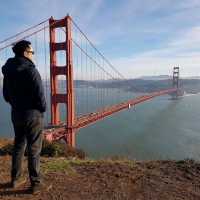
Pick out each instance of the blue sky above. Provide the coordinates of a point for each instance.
(140, 37)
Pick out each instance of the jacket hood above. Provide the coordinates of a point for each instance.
(16, 64)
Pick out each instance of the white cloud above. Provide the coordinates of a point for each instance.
(189, 40)
(186, 4)
(183, 51)
(148, 66)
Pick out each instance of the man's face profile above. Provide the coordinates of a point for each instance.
(28, 53)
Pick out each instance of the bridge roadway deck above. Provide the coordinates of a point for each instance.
(57, 132)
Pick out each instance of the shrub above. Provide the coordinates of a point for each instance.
(50, 149)
(60, 149)
(7, 149)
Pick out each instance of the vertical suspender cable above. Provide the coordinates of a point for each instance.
(87, 80)
(46, 76)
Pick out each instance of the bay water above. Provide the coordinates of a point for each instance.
(157, 129)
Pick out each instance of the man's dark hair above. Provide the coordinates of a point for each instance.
(20, 47)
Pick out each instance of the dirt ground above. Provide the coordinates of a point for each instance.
(108, 179)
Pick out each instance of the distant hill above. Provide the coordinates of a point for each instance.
(164, 77)
(144, 85)
(161, 77)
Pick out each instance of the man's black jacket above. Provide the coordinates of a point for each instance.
(22, 85)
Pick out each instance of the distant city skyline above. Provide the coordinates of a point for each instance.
(140, 38)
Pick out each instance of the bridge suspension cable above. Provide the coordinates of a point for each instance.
(91, 43)
(23, 34)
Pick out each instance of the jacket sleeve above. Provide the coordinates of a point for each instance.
(38, 90)
(5, 90)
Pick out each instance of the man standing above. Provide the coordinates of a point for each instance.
(22, 89)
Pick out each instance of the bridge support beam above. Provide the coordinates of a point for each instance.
(176, 80)
(67, 70)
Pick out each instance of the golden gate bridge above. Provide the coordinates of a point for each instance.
(70, 66)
